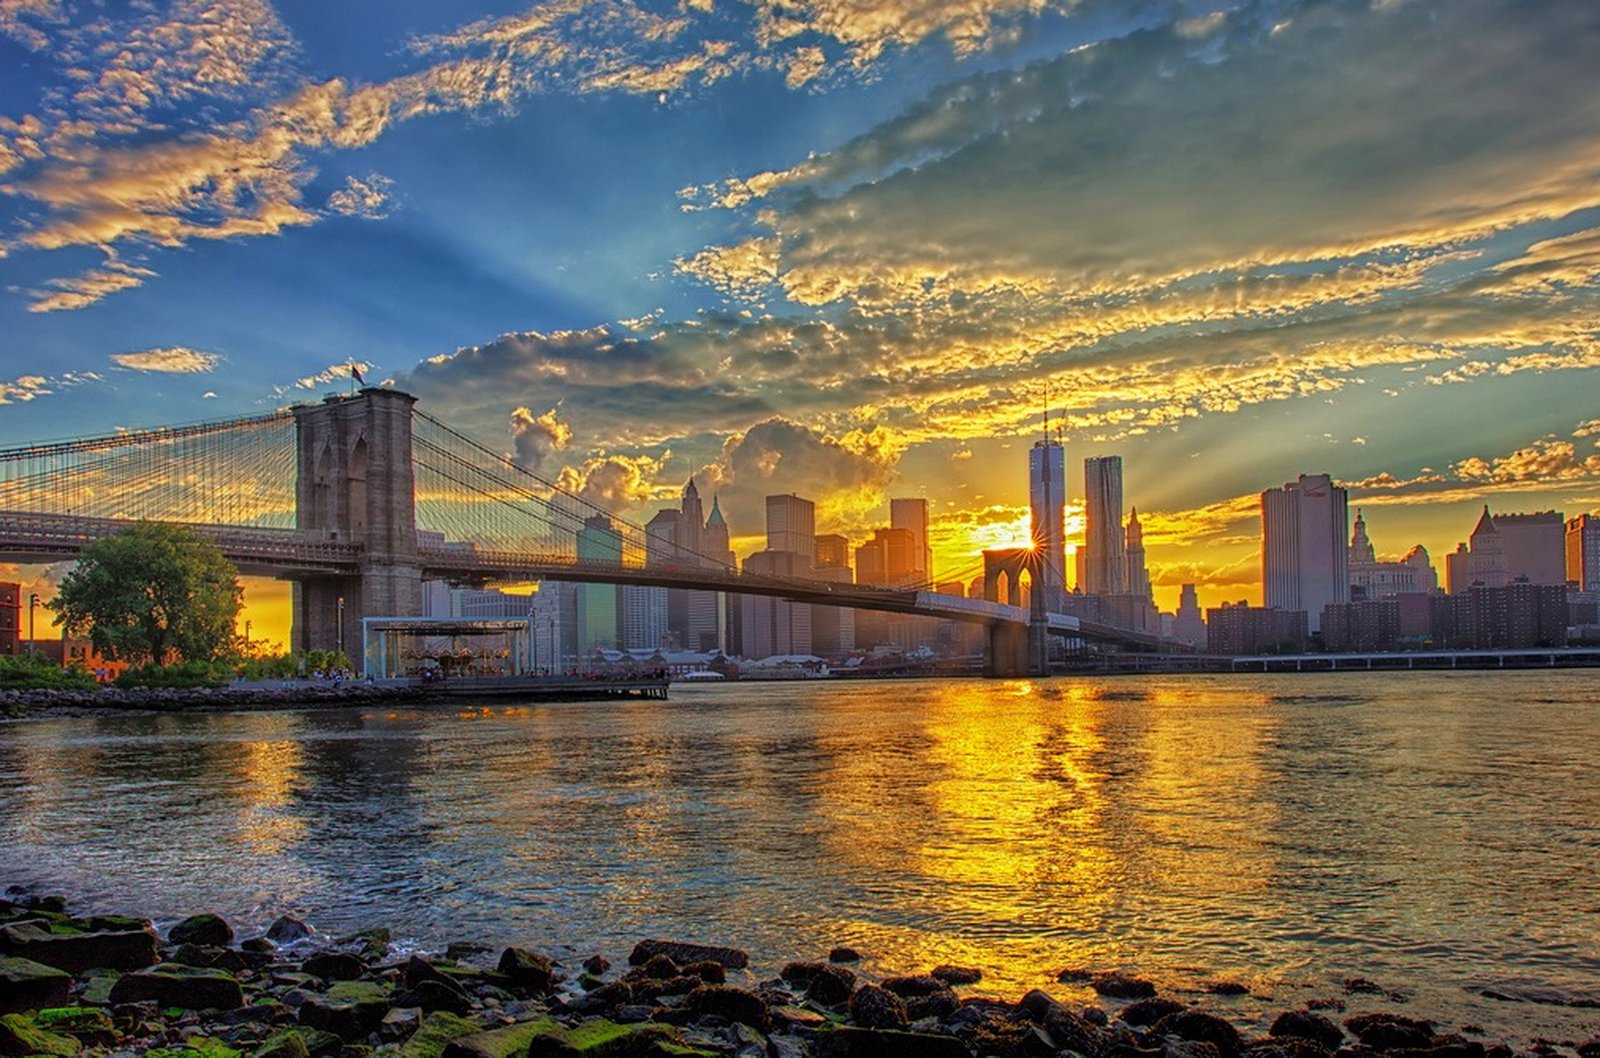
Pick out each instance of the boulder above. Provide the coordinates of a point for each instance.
(606, 1039)
(88, 1025)
(208, 930)
(734, 1004)
(712, 973)
(1122, 986)
(823, 982)
(171, 985)
(373, 943)
(334, 966)
(29, 985)
(21, 1036)
(842, 954)
(1589, 1048)
(596, 964)
(77, 952)
(350, 1010)
(509, 1042)
(1200, 1027)
(287, 930)
(435, 1032)
(430, 996)
(920, 985)
(1145, 1012)
(957, 975)
(940, 1004)
(1390, 1032)
(878, 1008)
(683, 953)
(527, 971)
(888, 1043)
(286, 1044)
(1304, 1025)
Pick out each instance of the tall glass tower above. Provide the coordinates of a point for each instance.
(1047, 508)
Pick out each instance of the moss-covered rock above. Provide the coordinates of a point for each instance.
(286, 1044)
(350, 1010)
(29, 985)
(88, 1025)
(527, 971)
(20, 1035)
(607, 1039)
(195, 1047)
(208, 929)
(435, 1032)
(77, 952)
(171, 985)
(509, 1042)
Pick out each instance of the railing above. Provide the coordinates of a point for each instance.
(67, 534)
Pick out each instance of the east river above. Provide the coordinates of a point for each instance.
(1435, 834)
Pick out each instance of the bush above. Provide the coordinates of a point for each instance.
(32, 671)
(182, 674)
(293, 666)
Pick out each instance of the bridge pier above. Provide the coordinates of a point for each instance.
(1009, 649)
(355, 482)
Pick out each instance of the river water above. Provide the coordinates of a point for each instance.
(1435, 833)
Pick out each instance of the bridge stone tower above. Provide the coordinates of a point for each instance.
(355, 483)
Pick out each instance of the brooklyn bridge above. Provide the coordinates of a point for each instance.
(360, 499)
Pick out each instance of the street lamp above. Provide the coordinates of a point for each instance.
(33, 604)
(341, 624)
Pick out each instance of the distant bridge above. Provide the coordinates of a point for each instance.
(357, 500)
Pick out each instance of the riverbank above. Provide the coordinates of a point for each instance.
(80, 987)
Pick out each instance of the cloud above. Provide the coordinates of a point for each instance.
(331, 373)
(616, 482)
(171, 361)
(848, 477)
(91, 286)
(536, 438)
(24, 388)
(20, 20)
(1543, 461)
(369, 198)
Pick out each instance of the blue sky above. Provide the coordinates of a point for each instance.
(839, 247)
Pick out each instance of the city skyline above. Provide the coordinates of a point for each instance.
(522, 239)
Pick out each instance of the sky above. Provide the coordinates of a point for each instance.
(844, 248)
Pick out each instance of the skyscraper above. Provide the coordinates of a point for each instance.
(1583, 551)
(1047, 515)
(598, 540)
(792, 526)
(1138, 574)
(912, 515)
(709, 612)
(1105, 565)
(1305, 561)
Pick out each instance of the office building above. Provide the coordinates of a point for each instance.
(1105, 569)
(1583, 552)
(1371, 579)
(774, 626)
(1244, 629)
(1138, 574)
(1506, 548)
(1305, 561)
(912, 516)
(598, 604)
(1188, 625)
(792, 526)
(10, 617)
(888, 560)
(1047, 513)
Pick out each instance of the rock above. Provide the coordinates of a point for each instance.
(596, 964)
(1075, 975)
(259, 946)
(432, 996)
(75, 953)
(657, 967)
(457, 950)
(844, 955)
(607, 1039)
(1145, 1012)
(511, 1041)
(171, 985)
(528, 972)
(682, 953)
(1180, 1048)
(1390, 1032)
(712, 973)
(920, 985)
(957, 975)
(887, 1043)
(1227, 988)
(1096, 1016)
(823, 982)
(878, 1008)
(321, 1044)
(286, 1044)
(208, 929)
(334, 966)
(435, 1032)
(350, 1010)
(21, 1036)
(940, 1004)
(87, 1025)
(1291, 1047)
(29, 985)
(373, 943)
(1305, 1025)
(1199, 1026)
(1589, 1048)
(725, 1001)
(1122, 986)
(287, 930)
(418, 969)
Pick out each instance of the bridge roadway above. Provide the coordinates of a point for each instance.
(290, 553)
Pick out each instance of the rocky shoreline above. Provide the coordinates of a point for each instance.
(111, 986)
(19, 704)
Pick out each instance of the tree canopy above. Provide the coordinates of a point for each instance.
(152, 593)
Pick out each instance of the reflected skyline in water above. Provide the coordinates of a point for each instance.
(1289, 832)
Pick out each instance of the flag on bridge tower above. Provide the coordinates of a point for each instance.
(355, 373)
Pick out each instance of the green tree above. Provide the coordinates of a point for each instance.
(152, 593)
